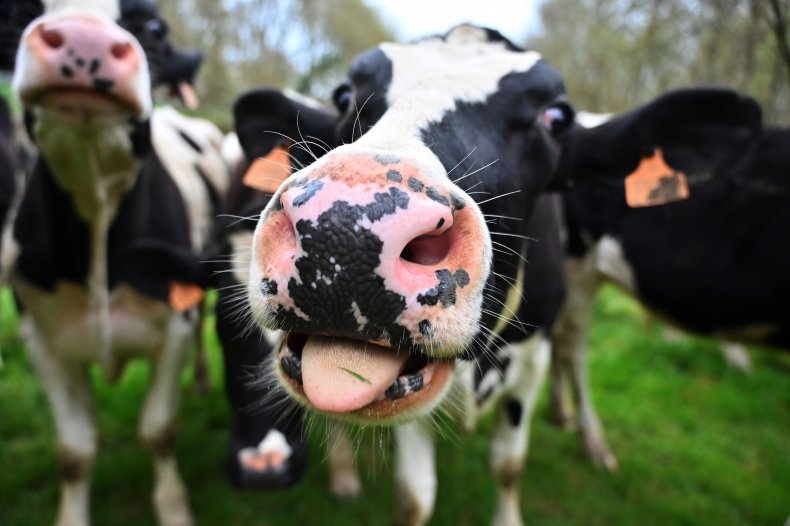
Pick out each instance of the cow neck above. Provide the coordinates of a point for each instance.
(94, 163)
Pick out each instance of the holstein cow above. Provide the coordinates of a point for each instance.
(390, 259)
(713, 264)
(108, 234)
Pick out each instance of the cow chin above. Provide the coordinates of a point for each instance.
(81, 105)
(421, 384)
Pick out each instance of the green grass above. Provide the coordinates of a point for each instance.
(698, 444)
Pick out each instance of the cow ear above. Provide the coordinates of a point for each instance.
(696, 129)
(266, 119)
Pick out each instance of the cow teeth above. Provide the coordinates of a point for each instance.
(292, 366)
(405, 385)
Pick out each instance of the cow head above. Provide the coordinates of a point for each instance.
(384, 261)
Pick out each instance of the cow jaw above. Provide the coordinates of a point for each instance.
(360, 381)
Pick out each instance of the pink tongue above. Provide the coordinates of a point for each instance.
(341, 375)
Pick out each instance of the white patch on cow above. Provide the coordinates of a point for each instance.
(108, 9)
(591, 120)
(180, 159)
(415, 471)
(231, 151)
(305, 100)
(358, 316)
(525, 377)
(431, 78)
(611, 262)
(241, 254)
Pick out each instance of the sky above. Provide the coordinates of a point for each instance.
(412, 19)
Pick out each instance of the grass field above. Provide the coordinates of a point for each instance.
(698, 444)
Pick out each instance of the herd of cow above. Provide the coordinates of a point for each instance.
(427, 245)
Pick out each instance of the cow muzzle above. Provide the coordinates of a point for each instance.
(375, 270)
(82, 67)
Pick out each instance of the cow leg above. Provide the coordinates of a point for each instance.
(68, 389)
(415, 473)
(202, 377)
(511, 435)
(158, 426)
(344, 480)
(570, 351)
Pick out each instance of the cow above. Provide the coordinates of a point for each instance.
(712, 264)
(109, 234)
(389, 262)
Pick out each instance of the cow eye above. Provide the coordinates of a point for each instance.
(558, 117)
(342, 97)
(157, 28)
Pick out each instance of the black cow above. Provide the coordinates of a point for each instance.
(109, 234)
(390, 260)
(713, 264)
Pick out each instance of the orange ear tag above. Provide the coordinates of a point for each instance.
(267, 173)
(184, 296)
(654, 182)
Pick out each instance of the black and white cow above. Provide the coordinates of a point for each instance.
(713, 264)
(390, 260)
(108, 233)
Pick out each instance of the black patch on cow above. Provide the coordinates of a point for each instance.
(458, 202)
(308, 191)
(440, 224)
(434, 195)
(190, 141)
(514, 411)
(103, 85)
(292, 366)
(338, 248)
(67, 72)
(415, 185)
(394, 175)
(426, 329)
(94, 67)
(385, 158)
(213, 194)
(461, 278)
(405, 385)
(268, 287)
(444, 291)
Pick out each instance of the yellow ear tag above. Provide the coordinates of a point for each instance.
(267, 173)
(654, 182)
(184, 296)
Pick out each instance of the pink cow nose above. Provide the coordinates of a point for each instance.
(85, 55)
(357, 247)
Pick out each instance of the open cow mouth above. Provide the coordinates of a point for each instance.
(358, 378)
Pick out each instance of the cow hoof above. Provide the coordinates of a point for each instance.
(346, 486)
(272, 464)
(603, 458)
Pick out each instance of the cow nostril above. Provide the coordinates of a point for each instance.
(426, 250)
(52, 37)
(120, 50)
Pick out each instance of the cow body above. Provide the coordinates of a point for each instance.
(712, 264)
(108, 234)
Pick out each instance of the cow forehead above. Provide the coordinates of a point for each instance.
(431, 77)
(107, 9)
